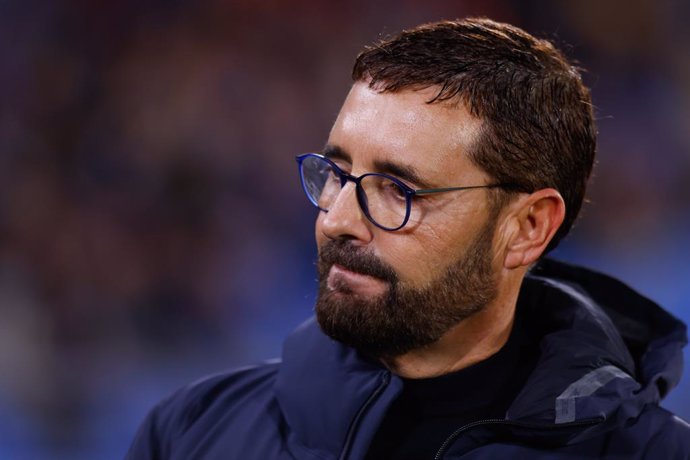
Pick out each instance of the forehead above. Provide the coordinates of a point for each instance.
(401, 127)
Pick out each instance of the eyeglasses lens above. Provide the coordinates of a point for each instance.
(382, 199)
(386, 200)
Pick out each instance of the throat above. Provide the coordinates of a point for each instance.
(430, 409)
(472, 341)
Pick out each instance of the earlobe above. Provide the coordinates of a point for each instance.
(535, 220)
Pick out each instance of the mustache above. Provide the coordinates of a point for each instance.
(350, 257)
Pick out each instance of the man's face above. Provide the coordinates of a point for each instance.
(386, 293)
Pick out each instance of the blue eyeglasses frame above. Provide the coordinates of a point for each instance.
(361, 194)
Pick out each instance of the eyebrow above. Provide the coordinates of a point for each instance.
(405, 172)
(335, 152)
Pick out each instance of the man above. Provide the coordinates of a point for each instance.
(459, 158)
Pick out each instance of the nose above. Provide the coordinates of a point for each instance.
(345, 219)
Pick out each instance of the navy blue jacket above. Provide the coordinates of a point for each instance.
(607, 356)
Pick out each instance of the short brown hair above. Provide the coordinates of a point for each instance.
(538, 125)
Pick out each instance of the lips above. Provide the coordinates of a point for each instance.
(343, 280)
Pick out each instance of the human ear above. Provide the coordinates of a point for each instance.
(535, 218)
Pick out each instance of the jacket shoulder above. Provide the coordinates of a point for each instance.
(199, 403)
(188, 403)
(655, 434)
(670, 437)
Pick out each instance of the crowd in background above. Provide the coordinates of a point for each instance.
(152, 225)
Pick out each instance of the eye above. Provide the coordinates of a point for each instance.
(329, 173)
(392, 190)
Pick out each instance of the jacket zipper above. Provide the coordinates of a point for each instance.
(499, 421)
(360, 414)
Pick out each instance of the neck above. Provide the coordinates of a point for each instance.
(469, 342)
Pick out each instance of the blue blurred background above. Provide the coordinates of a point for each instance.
(152, 226)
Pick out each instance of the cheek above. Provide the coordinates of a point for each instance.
(446, 238)
(319, 237)
(419, 259)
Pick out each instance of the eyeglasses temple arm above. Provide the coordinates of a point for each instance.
(429, 191)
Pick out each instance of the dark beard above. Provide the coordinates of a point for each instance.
(405, 318)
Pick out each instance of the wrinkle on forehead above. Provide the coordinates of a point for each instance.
(411, 123)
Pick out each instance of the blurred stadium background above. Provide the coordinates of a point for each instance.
(152, 226)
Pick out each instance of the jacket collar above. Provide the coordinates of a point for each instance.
(322, 387)
(606, 351)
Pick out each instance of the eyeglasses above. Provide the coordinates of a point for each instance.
(384, 199)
